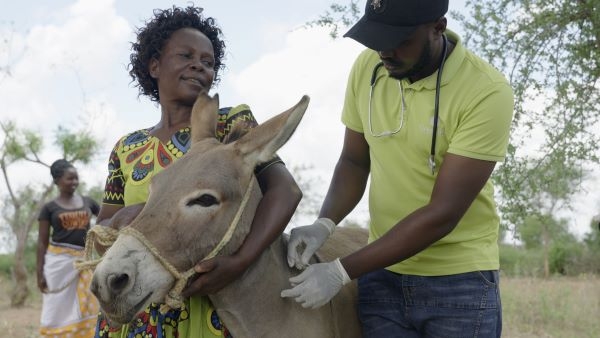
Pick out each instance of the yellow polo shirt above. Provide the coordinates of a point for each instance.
(476, 108)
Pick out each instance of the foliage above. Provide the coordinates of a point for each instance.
(592, 238)
(550, 53)
(566, 256)
(309, 206)
(95, 192)
(77, 146)
(20, 207)
(7, 261)
(336, 17)
(517, 261)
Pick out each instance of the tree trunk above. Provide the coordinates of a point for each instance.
(20, 291)
(546, 244)
(21, 228)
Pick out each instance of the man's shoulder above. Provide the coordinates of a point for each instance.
(363, 65)
(367, 58)
(476, 66)
(472, 68)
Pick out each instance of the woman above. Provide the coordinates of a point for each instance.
(178, 54)
(68, 307)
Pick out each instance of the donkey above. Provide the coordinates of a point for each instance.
(203, 205)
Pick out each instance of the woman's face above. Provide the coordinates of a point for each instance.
(185, 67)
(69, 181)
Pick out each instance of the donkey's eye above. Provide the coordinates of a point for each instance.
(205, 200)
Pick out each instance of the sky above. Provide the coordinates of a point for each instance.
(68, 59)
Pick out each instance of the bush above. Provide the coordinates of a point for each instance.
(8, 261)
(564, 256)
(6, 264)
(517, 261)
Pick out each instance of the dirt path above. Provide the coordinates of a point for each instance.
(22, 322)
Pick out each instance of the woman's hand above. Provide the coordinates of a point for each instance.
(42, 285)
(215, 274)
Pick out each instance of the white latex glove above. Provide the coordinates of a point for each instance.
(312, 236)
(316, 285)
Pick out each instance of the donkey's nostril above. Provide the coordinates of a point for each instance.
(117, 282)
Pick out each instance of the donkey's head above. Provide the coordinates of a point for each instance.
(207, 195)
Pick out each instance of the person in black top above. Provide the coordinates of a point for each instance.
(68, 307)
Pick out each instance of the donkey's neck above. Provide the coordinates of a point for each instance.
(252, 306)
(246, 302)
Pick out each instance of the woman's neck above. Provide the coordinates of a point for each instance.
(173, 118)
(66, 195)
(69, 200)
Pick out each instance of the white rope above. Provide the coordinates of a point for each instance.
(106, 236)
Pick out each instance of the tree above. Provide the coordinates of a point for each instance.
(592, 238)
(338, 16)
(309, 206)
(592, 247)
(550, 52)
(548, 193)
(21, 206)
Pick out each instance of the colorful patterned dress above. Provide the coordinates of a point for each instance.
(132, 163)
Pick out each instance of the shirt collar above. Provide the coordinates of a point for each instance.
(451, 66)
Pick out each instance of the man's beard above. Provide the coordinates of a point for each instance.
(424, 60)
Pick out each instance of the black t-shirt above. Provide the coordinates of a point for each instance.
(69, 225)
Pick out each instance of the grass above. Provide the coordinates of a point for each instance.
(558, 307)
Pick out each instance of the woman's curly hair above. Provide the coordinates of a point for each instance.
(152, 37)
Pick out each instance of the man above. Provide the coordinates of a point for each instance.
(428, 125)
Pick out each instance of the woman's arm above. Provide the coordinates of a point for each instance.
(43, 239)
(281, 196)
(107, 211)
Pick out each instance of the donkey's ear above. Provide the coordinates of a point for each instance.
(204, 117)
(261, 142)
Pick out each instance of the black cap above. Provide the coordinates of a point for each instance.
(387, 23)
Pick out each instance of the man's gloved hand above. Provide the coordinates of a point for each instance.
(318, 284)
(312, 236)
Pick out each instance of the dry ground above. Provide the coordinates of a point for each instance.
(22, 322)
(532, 308)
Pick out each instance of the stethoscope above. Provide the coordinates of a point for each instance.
(436, 113)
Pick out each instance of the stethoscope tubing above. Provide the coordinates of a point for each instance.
(436, 113)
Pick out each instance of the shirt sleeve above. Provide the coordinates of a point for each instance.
(44, 213)
(350, 112)
(240, 119)
(485, 127)
(94, 207)
(114, 188)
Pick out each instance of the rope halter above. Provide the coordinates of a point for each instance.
(106, 236)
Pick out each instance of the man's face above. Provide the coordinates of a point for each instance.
(411, 58)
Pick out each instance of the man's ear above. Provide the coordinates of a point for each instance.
(440, 25)
(153, 68)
